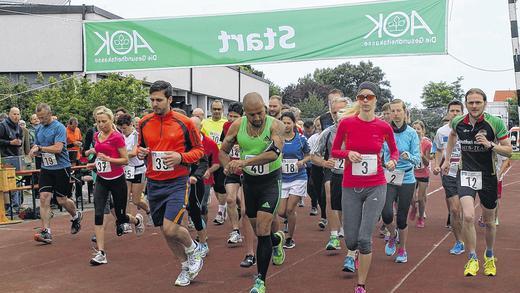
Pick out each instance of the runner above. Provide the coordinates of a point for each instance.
(111, 155)
(261, 140)
(50, 144)
(294, 176)
(449, 179)
(308, 132)
(170, 142)
(212, 127)
(275, 106)
(401, 182)
(364, 183)
(317, 179)
(135, 170)
(478, 133)
(422, 175)
(326, 119)
(333, 174)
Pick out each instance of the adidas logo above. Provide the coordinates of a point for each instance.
(266, 205)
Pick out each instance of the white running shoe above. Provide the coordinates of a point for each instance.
(139, 229)
(234, 238)
(127, 228)
(99, 258)
(195, 263)
(183, 279)
(202, 249)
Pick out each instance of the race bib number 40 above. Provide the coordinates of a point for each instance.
(49, 159)
(367, 166)
(289, 166)
(257, 169)
(395, 177)
(158, 163)
(472, 180)
(103, 166)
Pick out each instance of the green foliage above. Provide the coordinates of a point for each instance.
(439, 94)
(513, 111)
(311, 107)
(274, 89)
(432, 118)
(8, 97)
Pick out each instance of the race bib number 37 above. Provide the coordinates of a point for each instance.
(367, 166)
(158, 163)
(103, 166)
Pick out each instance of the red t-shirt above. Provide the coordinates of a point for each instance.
(211, 151)
(426, 146)
(110, 147)
(366, 138)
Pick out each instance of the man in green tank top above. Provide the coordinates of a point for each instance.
(260, 138)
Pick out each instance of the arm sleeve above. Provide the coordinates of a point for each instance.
(87, 144)
(197, 150)
(390, 140)
(319, 148)
(305, 144)
(501, 130)
(437, 141)
(3, 142)
(341, 134)
(415, 150)
(61, 135)
(214, 153)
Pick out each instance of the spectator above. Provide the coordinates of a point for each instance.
(2, 116)
(11, 134)
(26, 141)
(74, 139)
(35, 123)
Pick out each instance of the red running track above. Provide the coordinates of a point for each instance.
(146, 265)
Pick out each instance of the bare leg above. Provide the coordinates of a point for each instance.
(468, 228)
(365, 260)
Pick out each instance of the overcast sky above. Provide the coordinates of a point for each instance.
(478, 34)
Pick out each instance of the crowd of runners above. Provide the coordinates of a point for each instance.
(261, 161)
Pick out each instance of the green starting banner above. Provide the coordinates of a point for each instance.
(389, 28)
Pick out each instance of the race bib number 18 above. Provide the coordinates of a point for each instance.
(158, 163)
(289, 166)
(49, 160)
(367, 166)
(472, 180)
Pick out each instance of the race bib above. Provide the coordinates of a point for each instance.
(472, 179)
(158, 163)
(339, 164)
(129, 172)
(49, 160)
(257, 169)
(289, 166)
(367, 166)
(215, 137)
(395, 177)
(235, 152)
(454, 167)
(103, 166)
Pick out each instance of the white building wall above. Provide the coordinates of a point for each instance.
(249, 84)
(499, 109)
(221, 82)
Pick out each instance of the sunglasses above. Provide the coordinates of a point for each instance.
(363, 97)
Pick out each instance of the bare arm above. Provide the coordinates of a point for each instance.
(229, 141)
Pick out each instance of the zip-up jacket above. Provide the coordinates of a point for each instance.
(172, 132)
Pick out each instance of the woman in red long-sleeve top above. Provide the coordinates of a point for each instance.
(364, 183)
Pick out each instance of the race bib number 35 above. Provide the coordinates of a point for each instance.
(472, 180)
(103, 166)
(49, 160)
(158, 163)
(289, 166)
(367, 166)
(257, 169)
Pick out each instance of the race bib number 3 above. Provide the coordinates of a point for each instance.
(472, 180)
(395, 177)
(49, 160)
(257, 169)
(103, 166)
(289, 166)
(129, 172)
(158, 163)
(367, 166)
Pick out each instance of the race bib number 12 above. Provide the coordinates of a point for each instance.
(472, 180)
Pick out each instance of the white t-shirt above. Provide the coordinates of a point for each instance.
(131, 141)
(313, 142)
(441, 141)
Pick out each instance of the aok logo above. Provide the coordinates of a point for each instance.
(122, 43)
(397, 24)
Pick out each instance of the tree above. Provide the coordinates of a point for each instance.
(432, 118)
(439, 94)
(306, 86)
(13, 95)
(274, 89)
(311, 107)
(513, 111)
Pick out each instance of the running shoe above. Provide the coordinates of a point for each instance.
(313, 212)
(127, 228)
(384, 233)
(402, 256)
(139, 228)
(183, 279)
(289, 243)
(219, 219)
(203, 249)
(249, 261)
(149, 220)
(99, 258)
(390, 247)
(413, 212)
(323, 223)
(490, 269)
(349, 265)
(194, 263)
(76, 223)
(360, 289)
(120, 229)
(458, 248)
(333, 244)
(341, 233)
(43, 236)
(234, 238)
(259, 286)
(278, 252)
(420, 223)
(285, 225)
(471, 267)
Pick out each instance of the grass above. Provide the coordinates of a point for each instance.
(516, 156)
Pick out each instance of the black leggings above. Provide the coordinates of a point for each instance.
(403, 196)
(319, 189)
(116, 187)
(195, 204)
